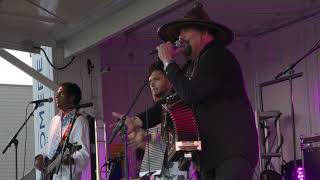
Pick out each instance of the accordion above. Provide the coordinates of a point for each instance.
(182, 136)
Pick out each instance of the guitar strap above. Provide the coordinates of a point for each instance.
(65, 134)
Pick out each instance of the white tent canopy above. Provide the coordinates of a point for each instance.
(76, 25)
(118, 33)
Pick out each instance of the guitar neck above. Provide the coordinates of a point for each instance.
(54, 164)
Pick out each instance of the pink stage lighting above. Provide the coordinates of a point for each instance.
(300, 173)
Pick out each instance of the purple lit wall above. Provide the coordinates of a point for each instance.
(128, 65)
(271, 54)
(128, 62)
(260, 58)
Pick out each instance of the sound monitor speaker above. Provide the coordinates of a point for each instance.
(270, 175)
(310, 147)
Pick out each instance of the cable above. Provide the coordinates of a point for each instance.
(61, 136)
(252, 166)
(25, 143)
(266, 138)
(274, 140)
(262, 125)
(58, 68)
(281, 143)
(148, 141)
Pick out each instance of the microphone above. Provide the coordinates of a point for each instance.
(105, 70)
(88, 116)
(113, 160)
(83, 105)
(74, 146)
(90, 66)
(49, 100)
(177, 44)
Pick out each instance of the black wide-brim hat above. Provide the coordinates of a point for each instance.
(196, 17)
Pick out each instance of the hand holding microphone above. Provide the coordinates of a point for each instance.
(167, 51)
(177, 44)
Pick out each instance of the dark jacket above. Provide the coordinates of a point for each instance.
(216, 92)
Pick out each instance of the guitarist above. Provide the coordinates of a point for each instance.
(67, 97)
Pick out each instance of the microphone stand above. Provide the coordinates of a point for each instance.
(276, 81)
(110, 165)
(15, 141)
(290, 70)
(120, 126)
(72, 149)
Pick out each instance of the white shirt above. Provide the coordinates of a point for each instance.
(79, 135)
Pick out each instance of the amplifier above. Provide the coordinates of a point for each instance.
(310, 147)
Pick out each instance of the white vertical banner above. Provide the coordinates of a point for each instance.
(45, 111)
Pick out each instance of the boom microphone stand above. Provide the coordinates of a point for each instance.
(121, 126)
(290, 70)
(15, 141)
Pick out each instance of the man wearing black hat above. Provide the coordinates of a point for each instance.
(213, 85)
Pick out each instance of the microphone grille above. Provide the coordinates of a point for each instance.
(50, 99)
(177, 44)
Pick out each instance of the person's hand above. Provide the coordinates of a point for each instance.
(138, 140)
(167, 52)
(131, 137)
(155, 135)
(39, 163)
(132, 123)
(66, 161)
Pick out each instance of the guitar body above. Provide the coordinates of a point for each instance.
(44, 174)
(51, 168)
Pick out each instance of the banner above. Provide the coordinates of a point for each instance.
(45, 111)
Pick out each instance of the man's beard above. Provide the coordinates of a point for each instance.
(161, 94)
(187, 49)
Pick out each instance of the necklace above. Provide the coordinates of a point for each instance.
(192, 69)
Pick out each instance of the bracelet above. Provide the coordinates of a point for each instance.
(165, 65)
